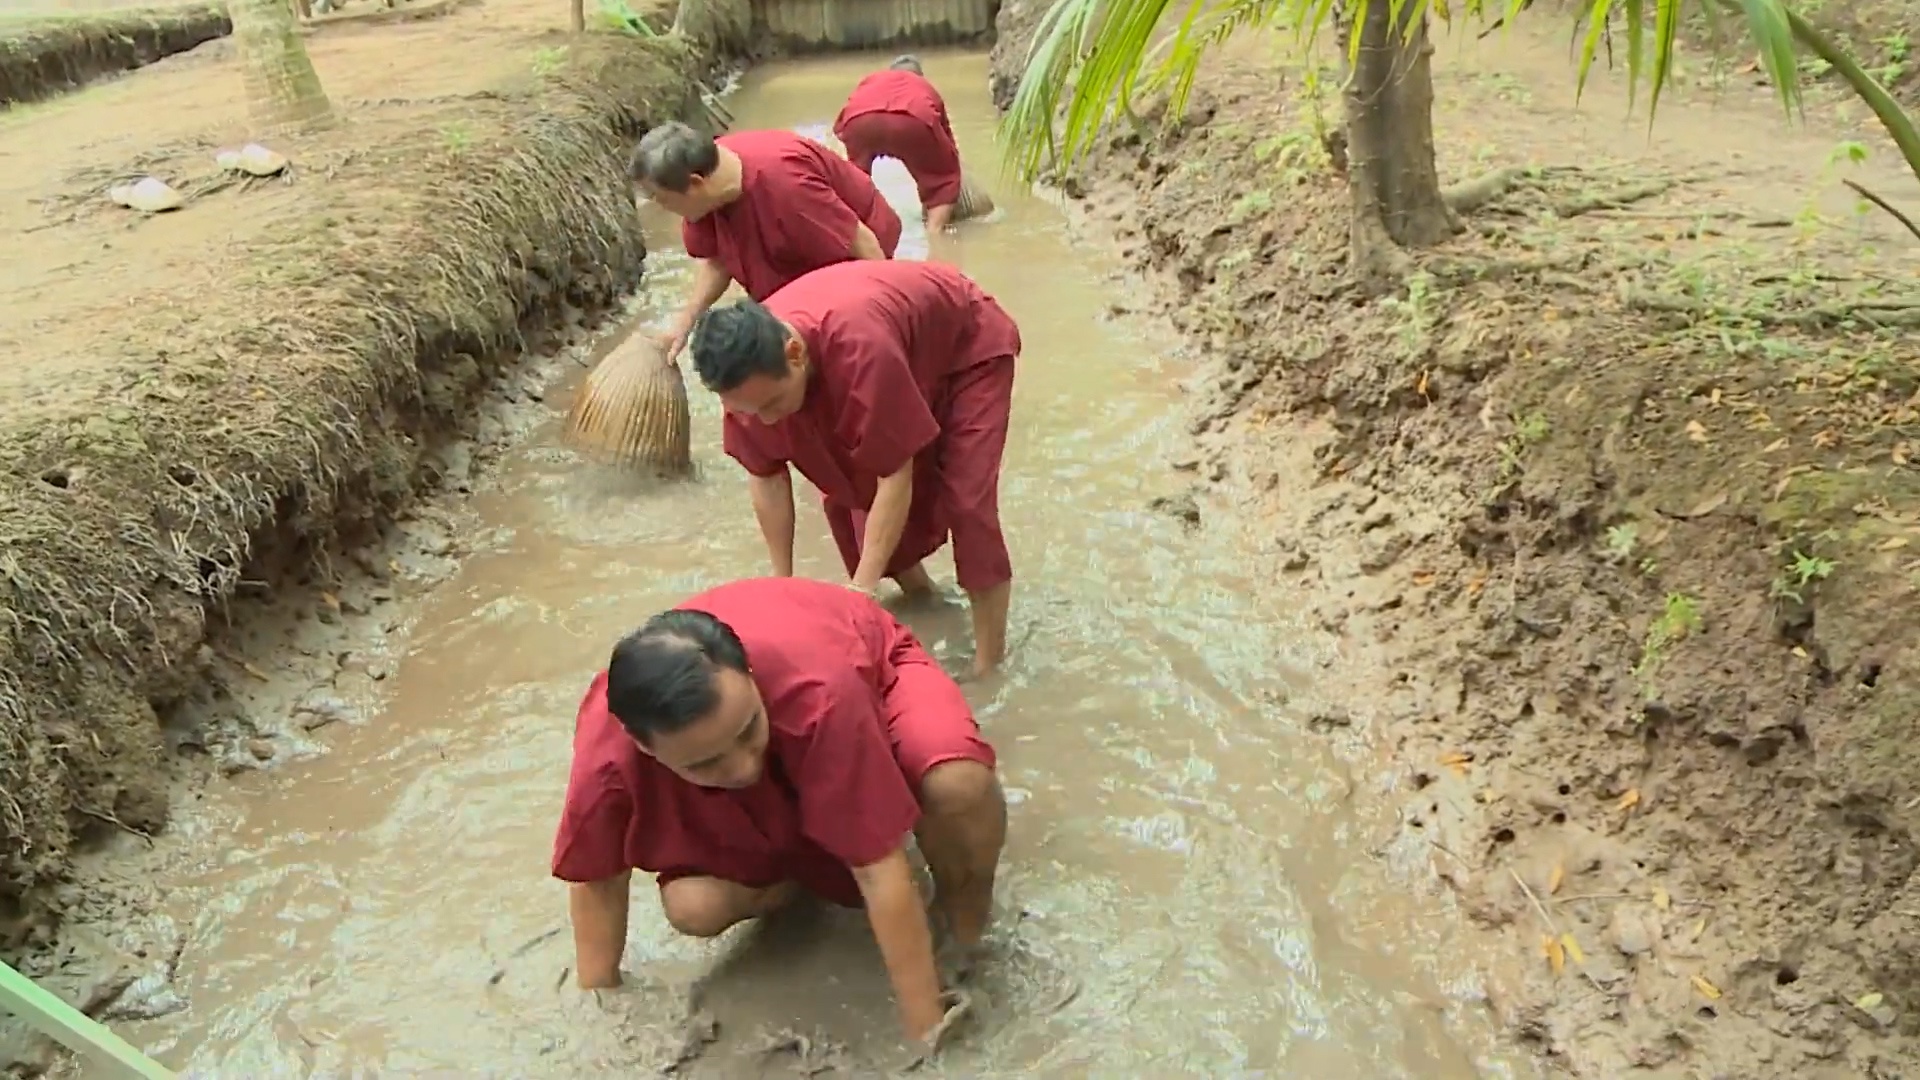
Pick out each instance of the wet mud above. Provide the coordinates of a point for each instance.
(1192, 883)
(1628, 597)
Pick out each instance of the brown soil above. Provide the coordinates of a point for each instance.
(1615, 507)
(45, 55)
(199, 406)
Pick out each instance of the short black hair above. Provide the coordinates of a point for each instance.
(661, 677)
(734, 343)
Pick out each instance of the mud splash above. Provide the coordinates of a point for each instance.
(1183, 892)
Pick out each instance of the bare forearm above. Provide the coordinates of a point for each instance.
(773, 509)
(710, 281)
(599, 913)
(886, 521)
(865, 244)
(906, 947)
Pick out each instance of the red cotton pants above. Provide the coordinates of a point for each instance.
(956, 486)
(930, 157)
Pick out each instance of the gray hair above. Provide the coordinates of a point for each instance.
(906, 62)
(672, 155)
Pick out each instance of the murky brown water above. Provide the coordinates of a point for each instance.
(1181, 850)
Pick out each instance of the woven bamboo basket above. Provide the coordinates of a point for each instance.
(632, 410)
(974, 201)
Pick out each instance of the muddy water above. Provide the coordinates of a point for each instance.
(1186, 891)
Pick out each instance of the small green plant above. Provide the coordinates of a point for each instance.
(1250, 205)
(548, 61)
(1679, 618)
(1621, 540)
(1528, 430)
(457, 136)
(1416, 307)
(1799, 574)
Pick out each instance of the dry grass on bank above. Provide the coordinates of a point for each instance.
(277, 392)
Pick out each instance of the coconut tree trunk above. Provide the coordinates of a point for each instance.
(577, 16)
(1397, 201)
(282, 87)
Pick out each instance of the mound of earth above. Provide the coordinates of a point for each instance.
(1616, 500)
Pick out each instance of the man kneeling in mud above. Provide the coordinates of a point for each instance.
(771, 736)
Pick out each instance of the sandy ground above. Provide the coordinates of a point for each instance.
(1625, 579)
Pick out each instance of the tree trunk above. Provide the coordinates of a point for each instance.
(1397, 201)
(282, 87)
(577, 16)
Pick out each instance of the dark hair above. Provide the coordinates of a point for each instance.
(660, 678)
(906, 62)
(734, 343)
(671, 155)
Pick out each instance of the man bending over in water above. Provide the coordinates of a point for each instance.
(890, 386)
(760, 208)
(898, 113)
(769, 736)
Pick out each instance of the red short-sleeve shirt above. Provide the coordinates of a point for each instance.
(832, 796)
(899, 92)
(883, 338)
(797, 211)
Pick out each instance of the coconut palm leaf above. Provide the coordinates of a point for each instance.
(1090, 58)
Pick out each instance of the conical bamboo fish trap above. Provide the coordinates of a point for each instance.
(974, 201)
(632, 409)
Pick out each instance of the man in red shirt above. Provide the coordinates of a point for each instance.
(888, 385)
(769, 736)
(761, 208)
(898, 113)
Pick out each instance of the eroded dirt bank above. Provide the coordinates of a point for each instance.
(1613, 507)
(44, 55)
(235, 402)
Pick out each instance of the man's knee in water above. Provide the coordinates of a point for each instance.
(961, 789)
(706, 907)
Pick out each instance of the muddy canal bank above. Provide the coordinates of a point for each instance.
(1181, 844)
(251, 410)
(1611, 512)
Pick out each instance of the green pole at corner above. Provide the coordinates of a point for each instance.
(74, 1029)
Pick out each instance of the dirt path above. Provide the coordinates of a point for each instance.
(1615, 505)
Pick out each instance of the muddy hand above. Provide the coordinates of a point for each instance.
(674, 339)
(959, 1005)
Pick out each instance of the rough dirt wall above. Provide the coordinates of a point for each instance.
(43, 56)
(1618, 515)
(289, 404)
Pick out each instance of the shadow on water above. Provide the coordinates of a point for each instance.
(1184, 891)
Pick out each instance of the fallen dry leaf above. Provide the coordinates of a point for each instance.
(1630, 800)
(1555, 879)
(1707, 989)
(1474, 586)
(1420, 384)
(1714, 398)
(254, 671)
(1574, 952)
(1825, 439)
(1455, 757)
(1899, 454)
(1661, 901)
(1698, 928)
(1775, 445)
(1869, 1002)
(1799, 652)
(393, 566)
(1555, 953)
(1893, 543)
(330, 600)
(1696, 431)
(1422, 578)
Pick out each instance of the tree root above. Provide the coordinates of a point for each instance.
(1470, 195)
(1878, 313)
(1617, 199)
